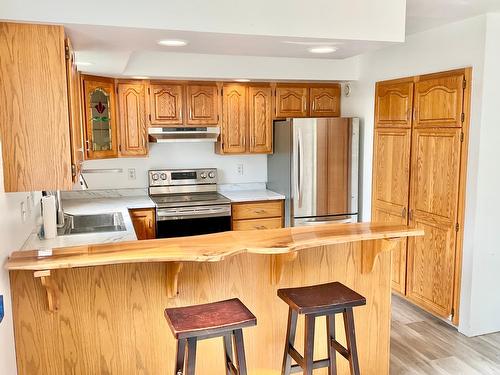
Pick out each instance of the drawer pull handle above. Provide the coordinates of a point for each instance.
(260, 227)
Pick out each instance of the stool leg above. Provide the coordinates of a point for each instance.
(332, 354)
(191, 356)
(239, 347)
(350, 334)
(228, 350)
(179, 357)
(290, 340)
(309, 345)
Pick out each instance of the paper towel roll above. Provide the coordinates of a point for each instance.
(49, 216)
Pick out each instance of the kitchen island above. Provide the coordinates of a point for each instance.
(98, 309)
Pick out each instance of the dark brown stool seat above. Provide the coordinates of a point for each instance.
(219, 319)
(320, 300)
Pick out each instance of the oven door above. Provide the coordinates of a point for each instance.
(191, 221)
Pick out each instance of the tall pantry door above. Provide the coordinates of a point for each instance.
(391, 165)
(434, 192)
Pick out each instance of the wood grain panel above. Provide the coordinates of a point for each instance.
(111, 317)
(291, 101)
(250, 224)
(144, 221)
(133, 127)
(166, 103)
(324, 101)
(234, 119)
(257, 210)
(438, 101)
(435, 180)
(260, 123)
(34, 120)
(394, 103)
(202, 104)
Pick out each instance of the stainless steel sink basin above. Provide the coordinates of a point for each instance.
(77, 224)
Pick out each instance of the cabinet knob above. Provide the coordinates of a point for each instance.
(403, 213)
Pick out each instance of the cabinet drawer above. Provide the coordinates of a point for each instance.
(260, 210)
(272, 223)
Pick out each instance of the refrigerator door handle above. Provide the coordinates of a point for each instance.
(300, 157)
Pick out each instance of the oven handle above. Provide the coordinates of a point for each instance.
(163, 214)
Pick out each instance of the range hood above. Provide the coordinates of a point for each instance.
(185, 134)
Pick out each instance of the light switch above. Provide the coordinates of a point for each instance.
(131, 173)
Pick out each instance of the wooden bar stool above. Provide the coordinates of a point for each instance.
(219, 319)
(313, 301)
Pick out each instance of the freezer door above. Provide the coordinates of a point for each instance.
(325, 167)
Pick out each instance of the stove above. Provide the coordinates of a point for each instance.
(187, 202)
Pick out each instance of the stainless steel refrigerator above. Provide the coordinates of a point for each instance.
(315, 165)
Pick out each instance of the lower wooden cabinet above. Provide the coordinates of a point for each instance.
(144, 221)
(258, 215)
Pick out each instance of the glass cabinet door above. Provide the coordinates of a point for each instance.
(100, 136)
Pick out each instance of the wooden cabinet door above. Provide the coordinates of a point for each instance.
(75, 112)
(260, 120)
(133, 129)
(166, 104)
(325, 101)
(439, 101)
(435, 178)
(234, 119)
(101, 136)
(144, 223)
(394, 104)
(202, 104)
(292, 102)
(391, 185)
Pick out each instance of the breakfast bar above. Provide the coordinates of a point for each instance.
(98, 309)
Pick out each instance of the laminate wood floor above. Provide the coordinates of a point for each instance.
(422, 344)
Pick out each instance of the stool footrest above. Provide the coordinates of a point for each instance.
(321, 363)
(340, 349)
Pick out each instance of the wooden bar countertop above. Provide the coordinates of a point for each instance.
(206, 248)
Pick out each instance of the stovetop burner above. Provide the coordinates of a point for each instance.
(190, 199)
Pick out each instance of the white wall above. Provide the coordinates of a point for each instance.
(13, 233)
(473, 42)
(177, 155)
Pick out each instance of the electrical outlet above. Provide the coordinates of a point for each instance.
(239, 169)
(2, 310)
(23, 211)
(131, 173)
(28, 205)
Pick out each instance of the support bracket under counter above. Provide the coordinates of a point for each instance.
(278, 263)
(371, 249)
(173, 271)
(51, 289)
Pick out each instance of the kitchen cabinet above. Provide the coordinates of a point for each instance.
(75, 113)
(166, 103)
(101, 136)
(132, 118)
(419, 172)
(202, 104)
(234, 119)
(35, 112)
(260, 117)
(324, 101)
(291, 101)
(144, 221)
(257, 215)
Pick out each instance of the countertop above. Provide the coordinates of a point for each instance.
(251, 195)
(210, 247)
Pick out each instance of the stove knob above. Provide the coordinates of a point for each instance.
(203, 175)
(163, 176)
(154, 176)
(211, 174)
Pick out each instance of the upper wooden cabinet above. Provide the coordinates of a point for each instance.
(324, 101)
(132, 118)
(292, 101)
(234, 119)
(202, 102)
(394, 103)
(101, 138)
(34, 114)
(260, 116)
(439, 101)
(166, 104)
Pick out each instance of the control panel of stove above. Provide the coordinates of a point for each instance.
(173, 177)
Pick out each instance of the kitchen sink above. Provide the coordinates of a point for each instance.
(78, 224)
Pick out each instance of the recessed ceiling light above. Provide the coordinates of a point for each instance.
(140, 77)
(173, 43)
(323, 49)
(242, 80)
(84, 63)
